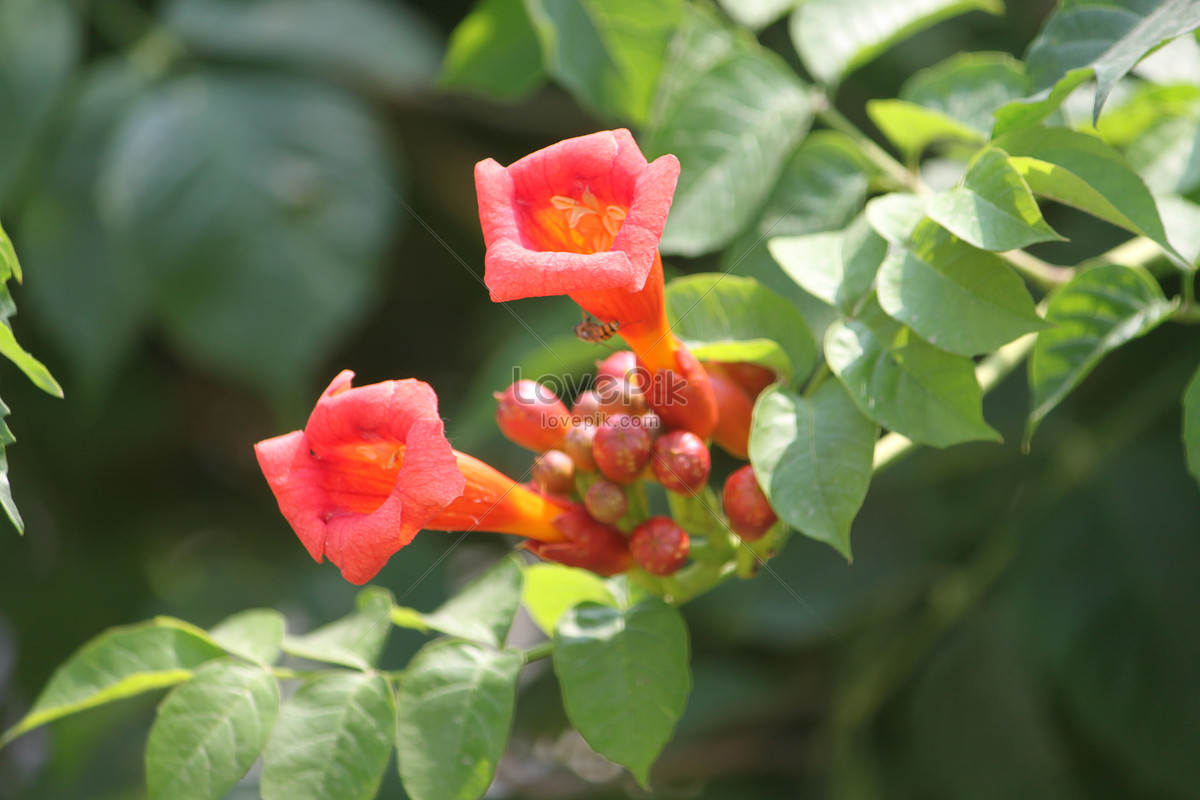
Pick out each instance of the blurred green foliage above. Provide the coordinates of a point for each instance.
(219, 204)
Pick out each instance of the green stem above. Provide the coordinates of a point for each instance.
(818, 377)
(538, 652)
(888, 165)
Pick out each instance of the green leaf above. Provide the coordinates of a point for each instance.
(455, 709)
(968, 87)
(992, 208)
(624, 677)
(895, 216)
(551, 589)
(332, 739)
(1181, 219)
(90, 302)
(209, 731)
(255, 634)
(732, 112)
(728, 318)
(1030, 110)
(260, 233)
(39, 47)
(957, 297)
(835, 37)
(757, 14)
(6, 498)
(607, 53)
(1107, 37)
(355, 640)
(483, 610)
(906, 384)
(1164, 156)
(1081, 171)
(1096, 312)
(1144, 109)
(10, 267)
(912, 128)
(35, 370)
(1191, 425)
(385, 47)
(495, 50)
(119, 663)
(813, 458)
(838, 267)
(823, 186)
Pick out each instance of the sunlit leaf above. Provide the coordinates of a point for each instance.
(455, 709)
(494, 50)
(550, 589)
(835, 37)
(1181, 220)
(624, 677)
(255, 634)
(209, 731)
(1099, 310)
(732, 112)
(355, 640)
(757, 14)
(992, 208)
(813, 456)
(895, 216)
(906, 384)
(607, 53)
(1106, 37)
(331, 739)
(730, 318)
(483, 610)
(1084, 172)
(837, 267)
(955, 296)
(119, 663)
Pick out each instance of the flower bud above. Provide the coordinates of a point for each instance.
(616, 367)
(683, 397)
(529, 414)
(735, 408)
(554, 472)
(622, 448)
(659, 546)
(589, 544)
(578, 445)
(606, 501)
(681, 462)
(620, 397)
(749, 513)
(752, 378)
(587, 408)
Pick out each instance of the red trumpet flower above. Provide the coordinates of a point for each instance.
(373, 467)
(584, 218)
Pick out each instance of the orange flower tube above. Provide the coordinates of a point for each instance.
(373, 467)
(584, 218)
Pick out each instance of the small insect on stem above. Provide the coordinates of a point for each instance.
(594, 331)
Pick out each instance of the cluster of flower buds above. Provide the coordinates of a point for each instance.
(610, 441)
(583, 218)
